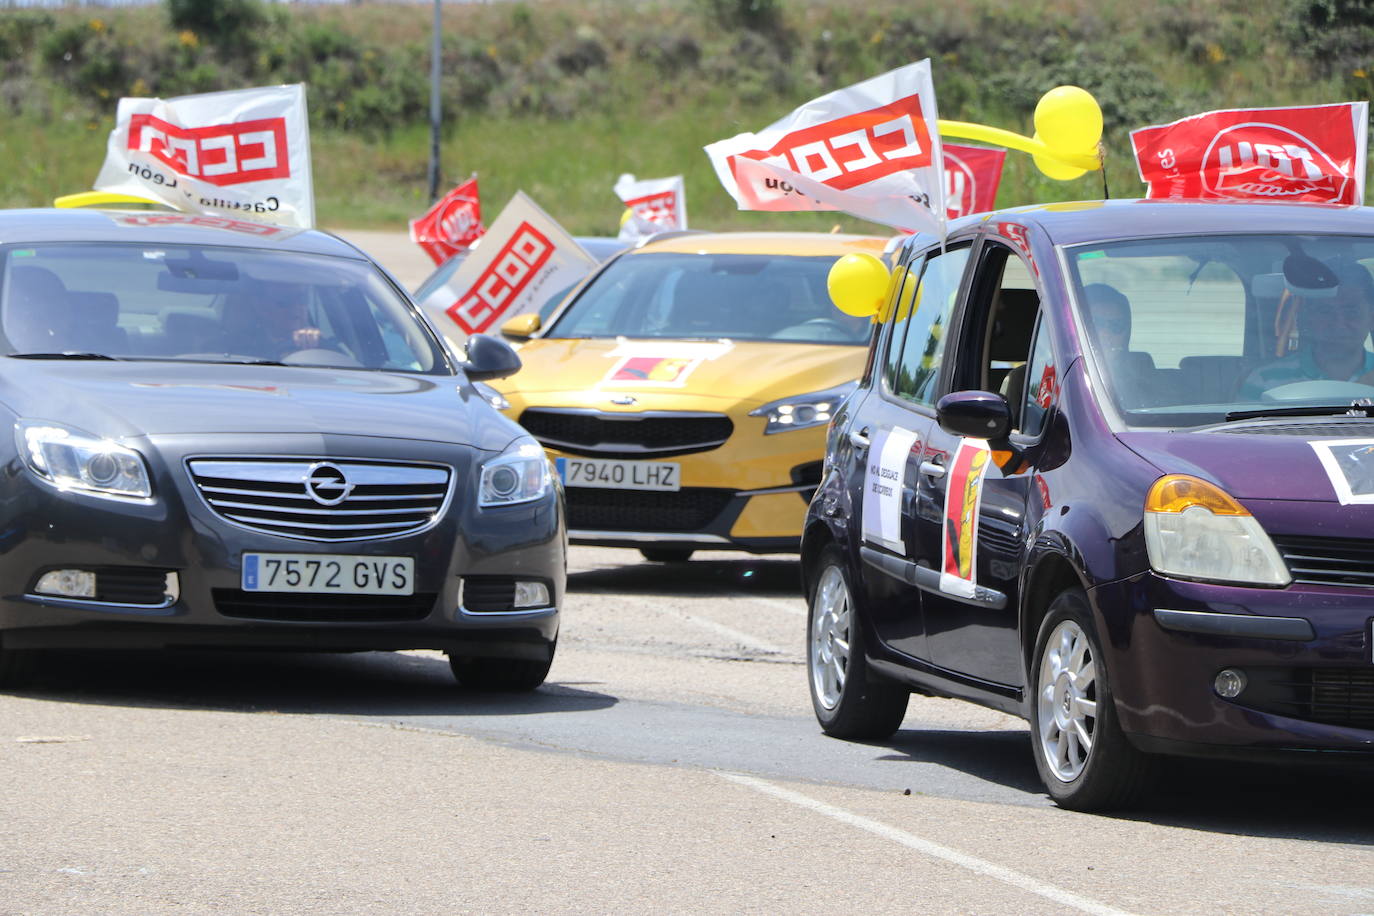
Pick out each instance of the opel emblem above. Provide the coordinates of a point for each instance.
(326, 484)
(624, 400)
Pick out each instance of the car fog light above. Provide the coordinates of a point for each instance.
(531, 594)
(1229, 683)
(69, 583)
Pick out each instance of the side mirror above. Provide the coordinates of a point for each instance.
(975, 414)
(521, 327)
(488, 358)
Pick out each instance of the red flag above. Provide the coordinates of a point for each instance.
(1314, 154)
(972, 174)
(451, 225)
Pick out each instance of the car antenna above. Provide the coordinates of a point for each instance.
(1102, 157)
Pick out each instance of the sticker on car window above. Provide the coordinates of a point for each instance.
(1350, 465)
(884, 478)
(963, 495)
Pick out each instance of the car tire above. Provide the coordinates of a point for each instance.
(667, 554)
(1073, 700)
(850, 700)
(499, 675)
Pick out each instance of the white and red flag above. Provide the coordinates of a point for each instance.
(1313, 153)
(871, 149)
(243, 153)
(655, 205)
(525, 257)
(972, 174)
(452, 224)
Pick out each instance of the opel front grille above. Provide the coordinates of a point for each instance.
(323, 500)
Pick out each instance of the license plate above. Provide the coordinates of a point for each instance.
(328, 574)
(609, 474)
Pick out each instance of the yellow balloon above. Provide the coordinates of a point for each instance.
(1068, 118)
(1059, 171)
(858, 284)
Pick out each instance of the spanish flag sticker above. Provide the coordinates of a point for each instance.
(963, 494)
(668, 371)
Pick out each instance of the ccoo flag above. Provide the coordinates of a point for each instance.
(243, 153)
(871, 149)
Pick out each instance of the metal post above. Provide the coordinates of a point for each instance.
(434, 112)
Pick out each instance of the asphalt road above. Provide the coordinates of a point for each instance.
(671, 764)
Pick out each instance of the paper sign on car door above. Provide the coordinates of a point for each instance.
(883, 479)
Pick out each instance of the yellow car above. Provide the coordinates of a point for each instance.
(684, 390)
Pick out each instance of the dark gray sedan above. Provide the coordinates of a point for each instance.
(233, 434)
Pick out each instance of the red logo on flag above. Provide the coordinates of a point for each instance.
(972, 174)
(505, 278)
(223, 154)
(213, 222)
(857, 148)
(658, 208)
(1312, 154)
(452, 224)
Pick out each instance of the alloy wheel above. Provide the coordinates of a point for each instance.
(1066, 694)
(830, 623)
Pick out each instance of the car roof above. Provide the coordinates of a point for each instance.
(157, 227)
(1094, 221)
(785, 243)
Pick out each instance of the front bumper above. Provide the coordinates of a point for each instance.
(1305, 652)
(177, 532)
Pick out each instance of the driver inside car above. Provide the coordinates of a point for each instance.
(272, 323)
(1331, 333)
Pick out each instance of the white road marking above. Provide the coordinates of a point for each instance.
(926, 847)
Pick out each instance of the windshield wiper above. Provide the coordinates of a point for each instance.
(68, 354)
(1360, 408)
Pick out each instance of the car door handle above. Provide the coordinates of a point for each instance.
(859, 439)
(933, 468)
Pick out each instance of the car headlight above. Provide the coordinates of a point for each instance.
(73, 460)
(803, 411)
(1195, 530)
(518, 475)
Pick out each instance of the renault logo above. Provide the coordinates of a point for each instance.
(327, 485)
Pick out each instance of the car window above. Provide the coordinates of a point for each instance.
(738, 296)
(924, 339)
(1187, 330)
(904, 283)
(208, 304)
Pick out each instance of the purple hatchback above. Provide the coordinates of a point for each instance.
(1111, 468)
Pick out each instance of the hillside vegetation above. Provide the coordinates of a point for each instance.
(558, 97)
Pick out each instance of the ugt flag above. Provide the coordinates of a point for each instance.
(452, 224)
(655, 205)
(1314, 153)
(972, 174)
(243, 153)
(871, 149)
(525, 257)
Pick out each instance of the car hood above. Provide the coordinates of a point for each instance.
(121, 399)
(673, 373)
(1257, 464)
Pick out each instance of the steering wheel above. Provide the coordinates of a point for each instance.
(1319, 389)
(321, 356)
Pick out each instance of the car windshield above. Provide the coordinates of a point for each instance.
(209, 304)
(737, 296)
(1204, 329)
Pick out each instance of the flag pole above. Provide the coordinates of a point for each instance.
(434, 112)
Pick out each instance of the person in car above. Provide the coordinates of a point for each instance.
(1331, 334)
(1109, 311)
(271, 323)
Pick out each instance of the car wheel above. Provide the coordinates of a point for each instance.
(850, 700)
(506, 675)
(667, 554)
(1084, 759)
